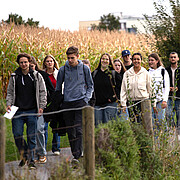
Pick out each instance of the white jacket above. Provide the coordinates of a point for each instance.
(157, 78)
(136, 86)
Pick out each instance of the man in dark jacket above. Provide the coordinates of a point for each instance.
(27, 91)
(174, 93)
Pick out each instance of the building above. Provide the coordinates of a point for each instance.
(128, 23)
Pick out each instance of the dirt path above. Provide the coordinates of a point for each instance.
(13, 171)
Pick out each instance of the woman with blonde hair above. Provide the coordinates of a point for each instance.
(50, 66)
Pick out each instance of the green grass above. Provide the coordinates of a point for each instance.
(11, 149)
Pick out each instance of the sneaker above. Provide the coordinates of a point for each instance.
(75, 163)
(42, 159)
(57, 153)
(23, 162)
(32, 166)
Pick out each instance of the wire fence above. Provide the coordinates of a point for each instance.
(15, 153)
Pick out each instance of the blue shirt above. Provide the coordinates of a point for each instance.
(78, 83)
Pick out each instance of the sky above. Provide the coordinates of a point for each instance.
(66, 14)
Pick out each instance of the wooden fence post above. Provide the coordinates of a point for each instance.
(147, 116)
(2, 148)
(88, 141)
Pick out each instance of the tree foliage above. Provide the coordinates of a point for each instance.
(18, 20)
(107, 22)
(165, 26)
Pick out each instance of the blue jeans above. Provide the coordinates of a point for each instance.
(55, 140)
(171, 113)
(122, 115)
(26, 149)
(40, 137)
(106, 114)
(158, 119)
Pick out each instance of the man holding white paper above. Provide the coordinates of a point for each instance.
(27, 91)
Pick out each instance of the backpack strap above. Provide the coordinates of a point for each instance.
(94, 73)
(162, 73)
(114, 76)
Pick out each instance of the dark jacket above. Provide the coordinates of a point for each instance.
(49, 86)
(177, 80)
(40, 89)
(103, 88)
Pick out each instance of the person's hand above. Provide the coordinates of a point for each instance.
(173, 89)
(8, 108)
(109, 100)
(124, 109)
(40, 112)
(155, 110)
(164, 104)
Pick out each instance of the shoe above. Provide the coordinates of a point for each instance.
(23, 162)
(42, 159)
(32, 166)
(75, 163)
(57, 153)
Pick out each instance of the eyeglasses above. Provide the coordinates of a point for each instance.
(70, 57)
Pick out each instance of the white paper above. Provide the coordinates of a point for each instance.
(11, 113)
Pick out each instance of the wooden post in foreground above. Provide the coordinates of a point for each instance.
(2, 148)
(88, 141)
(147, 116)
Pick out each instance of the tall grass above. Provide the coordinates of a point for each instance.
(42, 41)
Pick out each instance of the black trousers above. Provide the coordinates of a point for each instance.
(135, 111)
(73, 123)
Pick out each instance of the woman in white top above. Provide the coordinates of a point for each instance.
(161, 85)
(136, 90)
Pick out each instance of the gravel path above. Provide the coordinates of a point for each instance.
(13, 171)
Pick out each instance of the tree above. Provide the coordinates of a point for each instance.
(107, 22)
(15, 18)
(30, 22)
(18, 20)
(165, 26)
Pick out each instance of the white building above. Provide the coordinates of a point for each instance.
(128, 23)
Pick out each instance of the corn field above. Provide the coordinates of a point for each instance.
(42, 41)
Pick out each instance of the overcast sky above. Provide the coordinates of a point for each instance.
(66, 14)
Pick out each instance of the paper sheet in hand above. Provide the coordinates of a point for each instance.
(11, 113)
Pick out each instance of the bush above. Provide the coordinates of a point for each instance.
(125, 151)
(117, 153)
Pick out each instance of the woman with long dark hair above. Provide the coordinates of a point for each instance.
(136, 92)
(161, 84)
(50, 66)
(105, 80)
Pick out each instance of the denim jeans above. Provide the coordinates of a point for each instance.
(158, 119)
(40, 137)
(122, 115)
(26, 149)
(107, 113)
(171, 113)
(55, 140)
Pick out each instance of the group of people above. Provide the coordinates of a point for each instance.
(110, 88)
